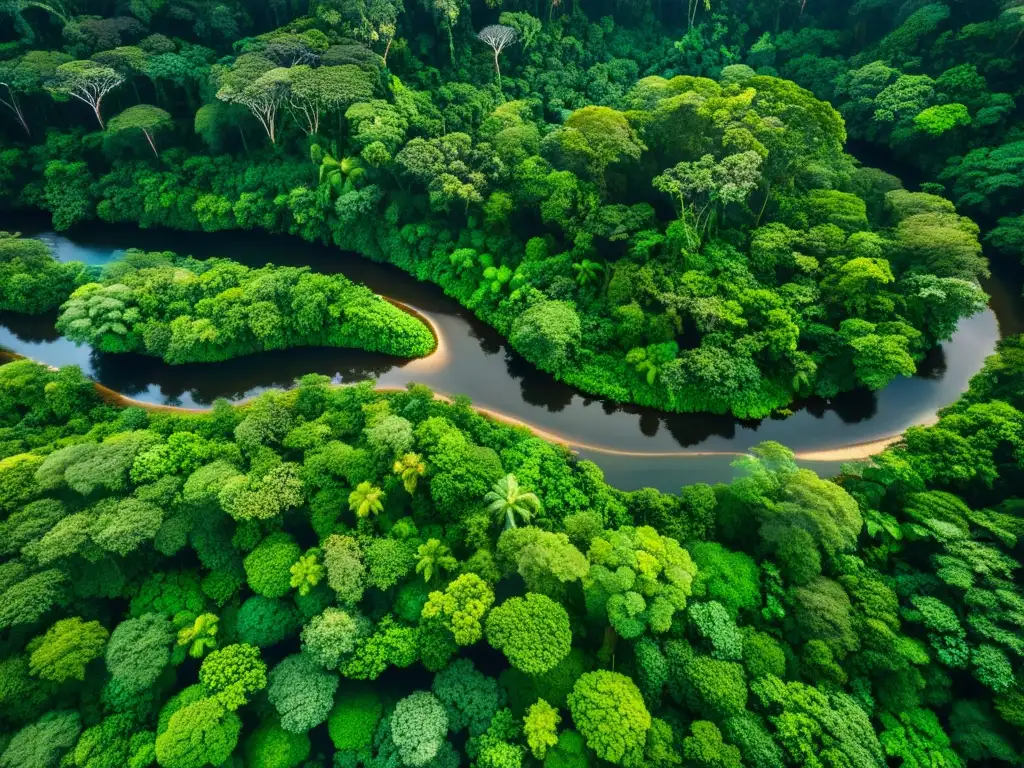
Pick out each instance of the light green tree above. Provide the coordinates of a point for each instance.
(507, 501)
(540, 726)
(433, 557)
(66, 649)
(410, 469)
(142, 118)
(366, 499)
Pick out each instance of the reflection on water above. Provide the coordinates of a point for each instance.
(481, 365)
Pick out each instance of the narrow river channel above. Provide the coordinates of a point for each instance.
(637, 447)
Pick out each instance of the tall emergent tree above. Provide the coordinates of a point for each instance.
(255, 83)
(498, 36)
(142, 118)
(86, 81)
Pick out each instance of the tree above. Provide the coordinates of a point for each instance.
(233, 674)
(834, 719)
(451, 167)
(470, 699)
(532, 631)
(42, 743)
(588, 272)
(390, 644)
(332, 635)
(548, 562)
(268, 566)
(432, 558)
(708, 687)
(354, 719)
(702, 188)
(66, 649)
(11, 102)
(313, 93)
(461, 607)
(940, 119)
(255, 83)
(711, 623)
(86, 81)
(199, 634)
(302, 692)
(570, 752)
(272, 746)
(341, 176)
(592, 139)
(307, 572)
(264, 622)
(374, 20)
(540, 726)
(609, 711)
(449, 11)
(366, 499)
(916, 737)
(731, 578)
(498, 36)
(200, 733)
(142, 118)
(638, 580)
(138, 651)
(705, 748)
(345, 570)
(114, 741)
(507, 501)
(418, 728)
(548, 334)
(410, 468)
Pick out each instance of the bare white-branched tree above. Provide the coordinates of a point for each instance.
(498, 36)
(11, 102)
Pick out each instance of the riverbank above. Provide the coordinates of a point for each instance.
(852, 452)
(635, 446)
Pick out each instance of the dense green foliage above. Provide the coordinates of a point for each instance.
(640, 212)
(188, 311)
(649, 206)
(31, 281)
(185, 589)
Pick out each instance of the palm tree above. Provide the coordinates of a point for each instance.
(200, 636)
(588, 272)
(341, 175)
(507, 500)
(366, 499)
(644, 364)
(409, 468)
(434, 557)
(307, 571)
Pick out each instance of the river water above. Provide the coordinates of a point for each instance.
(636, 447)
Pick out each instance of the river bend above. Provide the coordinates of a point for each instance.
(637, 447)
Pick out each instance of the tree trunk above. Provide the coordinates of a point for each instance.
(388, 48)
(151, 144)
(607, 650)
(15, 107)
(497, 68)
(245, 143)
(99, 117)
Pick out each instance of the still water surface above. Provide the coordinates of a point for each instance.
(480, 364)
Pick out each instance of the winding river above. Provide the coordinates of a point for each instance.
(636, 447)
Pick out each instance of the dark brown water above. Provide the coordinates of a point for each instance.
(481, 365)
